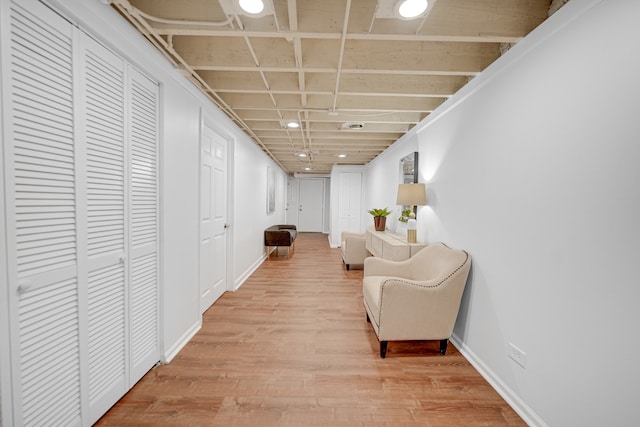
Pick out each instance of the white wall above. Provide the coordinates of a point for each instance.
(326, 206)
(533, 168)
(181, 105)
(251, 216)
(179, 217)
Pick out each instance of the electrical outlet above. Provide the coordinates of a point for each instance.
(517, 355)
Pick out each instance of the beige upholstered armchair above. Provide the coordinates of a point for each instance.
(416, 299)
(353, 248)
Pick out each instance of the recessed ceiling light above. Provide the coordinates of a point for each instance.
(293, 125)
(307, 168)
(302, 154)
(410, 9)
(252, 6)
(342, 156)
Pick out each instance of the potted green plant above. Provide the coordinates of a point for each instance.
(380, 218)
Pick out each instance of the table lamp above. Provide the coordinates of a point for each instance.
(412, 195)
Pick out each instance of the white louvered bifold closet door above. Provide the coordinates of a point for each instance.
(81, 186)
(143, 194)
(103, 77)
(42, 214)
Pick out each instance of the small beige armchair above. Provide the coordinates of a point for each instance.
(353, 246)
(416, 299)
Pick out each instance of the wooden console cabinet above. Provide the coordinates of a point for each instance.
(391, 246)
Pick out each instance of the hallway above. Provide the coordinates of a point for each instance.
(292, 347)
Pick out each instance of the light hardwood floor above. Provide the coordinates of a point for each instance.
(292, 347)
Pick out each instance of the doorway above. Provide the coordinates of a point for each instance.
(214, 161)
(311, 205)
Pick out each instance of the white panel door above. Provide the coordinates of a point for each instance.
(206, 221)
(220, 218)
(310, 205)
(42, 210)
(213, 216)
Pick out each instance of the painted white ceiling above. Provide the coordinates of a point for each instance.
(355, 77)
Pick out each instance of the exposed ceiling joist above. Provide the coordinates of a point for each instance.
(329, 64)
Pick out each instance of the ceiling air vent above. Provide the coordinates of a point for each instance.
(352, 126)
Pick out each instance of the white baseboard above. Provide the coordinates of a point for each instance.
(249, 272)
(170, 353)
(179, 345)
(332, 244)
(518, 405)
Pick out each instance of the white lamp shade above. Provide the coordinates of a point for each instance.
(412, 195)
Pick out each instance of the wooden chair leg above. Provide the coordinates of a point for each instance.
(383, 348)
